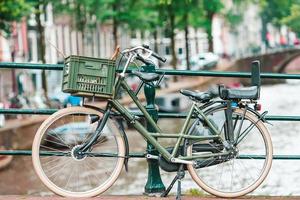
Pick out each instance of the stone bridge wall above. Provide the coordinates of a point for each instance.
(272, 62)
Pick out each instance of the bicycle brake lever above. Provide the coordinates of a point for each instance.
(146, 46)
(159, 80)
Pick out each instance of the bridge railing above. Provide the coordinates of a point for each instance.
(152, 171)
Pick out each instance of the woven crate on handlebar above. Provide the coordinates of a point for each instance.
(86, 76)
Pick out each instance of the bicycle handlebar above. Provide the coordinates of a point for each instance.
(162, 59)
(145, 48)
(140, 58)
(134, 54)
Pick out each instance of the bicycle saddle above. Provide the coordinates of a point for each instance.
(146, 77)
(251, 93)
(239, 93)
(200, 96)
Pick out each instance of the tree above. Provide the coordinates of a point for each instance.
(119, 13)
(202, 14)
(197, 20)
(186, 13)
(80, 13)
(39, 10)
(210, 8)
(149, 16)
(170, 13)
(186, 8)
(234, 15)
(293, 20)
(12, 11)
(274, 11)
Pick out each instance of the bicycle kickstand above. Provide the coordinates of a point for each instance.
(178, 178)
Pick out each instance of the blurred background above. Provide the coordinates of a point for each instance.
(191, 34)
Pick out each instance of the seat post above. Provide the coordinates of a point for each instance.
(229, 131)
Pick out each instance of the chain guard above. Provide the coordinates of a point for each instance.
(205, 147)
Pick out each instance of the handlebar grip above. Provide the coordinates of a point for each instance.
(146, 46)
(155, 54)
(138, 57)
(158, 57)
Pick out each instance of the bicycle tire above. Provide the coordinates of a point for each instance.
(209, 184)
(85, 165)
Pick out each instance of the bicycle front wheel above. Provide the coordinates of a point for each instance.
(234, 175)
(59, 165)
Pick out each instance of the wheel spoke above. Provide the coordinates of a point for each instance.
(51, 148)
(64, 145)
(76, 142)
(234, 176)
(60, 163)
(58, 137)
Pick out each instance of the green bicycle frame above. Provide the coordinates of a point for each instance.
(151, 137)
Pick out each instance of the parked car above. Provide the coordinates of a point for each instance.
(207, 60)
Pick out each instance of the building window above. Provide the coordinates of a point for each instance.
(179, 51)
(133, 34)
(167, 50)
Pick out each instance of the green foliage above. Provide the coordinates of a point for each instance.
(12, 11)
(79, 10)
(279, 12)
(150, 15)
(125, 12)
(274, 11)
(195, 192)
(210, 8)
(131, 14)
(293, 20)
(202, 12)
(234, 15)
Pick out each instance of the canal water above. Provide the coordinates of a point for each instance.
(281, 99)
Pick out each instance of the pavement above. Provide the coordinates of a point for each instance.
(24, 197)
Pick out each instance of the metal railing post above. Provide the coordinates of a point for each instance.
(154, 183)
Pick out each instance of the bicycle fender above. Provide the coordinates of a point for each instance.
(113, 114)
(260, 116)
(94, 108)
(121, 128)
(253, 111)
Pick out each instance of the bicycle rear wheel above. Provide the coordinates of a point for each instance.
(59, 165)
(237, 175)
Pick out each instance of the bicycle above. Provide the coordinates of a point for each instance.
(223, 144)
